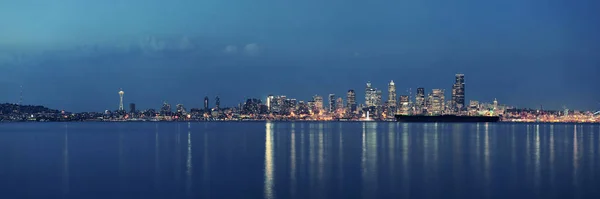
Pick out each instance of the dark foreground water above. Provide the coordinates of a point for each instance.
(298, 160)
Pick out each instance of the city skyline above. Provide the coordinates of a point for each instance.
(435, 101)
(524, 53)
(440, 95)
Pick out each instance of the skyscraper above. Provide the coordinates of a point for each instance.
(420, 100)
(121, 93)
(217, 102)
(458, 93)
(392, 97)
(339, 104)
(351, 101)
(269, 102)
(332, 105)
(404, 104)
(437, 102)
(206, 103)
(378, 99)
(370, 95)
(318, 102)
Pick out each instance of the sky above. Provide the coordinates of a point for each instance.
(76, 55)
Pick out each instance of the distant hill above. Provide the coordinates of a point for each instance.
(7, 108)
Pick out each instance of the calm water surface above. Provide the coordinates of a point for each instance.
(298, 160)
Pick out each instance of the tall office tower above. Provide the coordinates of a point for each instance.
(351, 101)
(132, 108)
(378, 98)
(392, 105)
(339, 105)
(404, 105)
(332, 105)
(391, 94)
(370, 95)
(121, 93)
(420, 100)
(206, 103)
(437, 102)
(458, 93)
(269, 102)
(217, 102)
(318, 102)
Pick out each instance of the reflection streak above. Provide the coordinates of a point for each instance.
(552, 174)
(293, 161)
(537, 170)
(189, 161)
(575, 155)
(269, 162)
(405, 164)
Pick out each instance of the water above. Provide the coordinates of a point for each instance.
(298, 160)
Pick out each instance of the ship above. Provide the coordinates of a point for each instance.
(446, 118)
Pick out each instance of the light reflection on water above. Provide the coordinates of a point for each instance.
(301, 160)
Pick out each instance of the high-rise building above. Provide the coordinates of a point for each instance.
(351, 101)
(392, 93)
(339, 105)
(132, 108)
(458, 93)
(420, 100)
(217, 102)
(206, 103)
(121, 93)
(392, 98)
(270, 102)
(378, 99)
(370, 95)
(437, 104)
(318, 103)
(332, 105)
(404, 105)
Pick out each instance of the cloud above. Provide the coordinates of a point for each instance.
(252, 49)
(231, 49)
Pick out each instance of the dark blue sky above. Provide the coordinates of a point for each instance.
(75, 55)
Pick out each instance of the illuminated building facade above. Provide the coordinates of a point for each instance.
(206, 103)
(392, 105)
(404, 107)
(332, 105)
(318, 103)
(420, 100)
(436, 102)
(458, 93)
(351, 101)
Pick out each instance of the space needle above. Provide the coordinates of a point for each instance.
(121, 93)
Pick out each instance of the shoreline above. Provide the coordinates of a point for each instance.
(299, 121)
